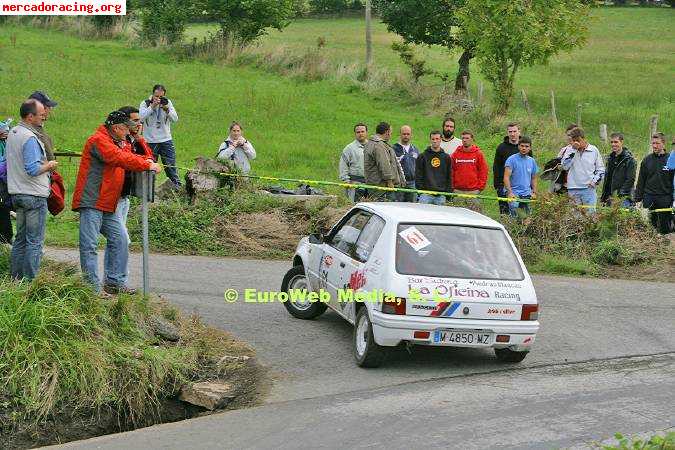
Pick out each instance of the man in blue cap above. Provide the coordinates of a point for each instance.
(49, 104)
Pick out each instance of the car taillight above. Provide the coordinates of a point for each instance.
(530, 312)
(394, 306)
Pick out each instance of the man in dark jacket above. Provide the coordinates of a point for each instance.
(433, 171)
(407, 154)
(655, 185)
(380, 166)
(505, 150)
(620, 174)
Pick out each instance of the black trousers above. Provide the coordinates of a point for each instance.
(5, 226)
(660, 220)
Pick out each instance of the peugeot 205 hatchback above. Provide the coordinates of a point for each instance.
(417, 274)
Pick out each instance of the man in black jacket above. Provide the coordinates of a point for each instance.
(620, 174)
(655, 185)
(433, 171)
(504, 151)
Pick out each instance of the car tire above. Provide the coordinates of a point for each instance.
(366, 351)
(509, 356)
(296, 279)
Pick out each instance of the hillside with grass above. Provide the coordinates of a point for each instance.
(298, 102)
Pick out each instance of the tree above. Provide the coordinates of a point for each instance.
(429, 22)
(244, 21)
(506, 36)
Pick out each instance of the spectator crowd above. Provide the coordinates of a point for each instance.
(131, 140)
(457, 165)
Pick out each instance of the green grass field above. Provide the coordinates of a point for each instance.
(624, 75)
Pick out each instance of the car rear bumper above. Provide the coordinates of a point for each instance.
(390, 330)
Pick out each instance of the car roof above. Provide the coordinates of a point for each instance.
(422, 213)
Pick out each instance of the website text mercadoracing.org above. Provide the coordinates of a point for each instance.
(62, 7)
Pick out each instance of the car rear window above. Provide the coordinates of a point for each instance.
(453, 251)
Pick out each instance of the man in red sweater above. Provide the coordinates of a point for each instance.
(469, 168)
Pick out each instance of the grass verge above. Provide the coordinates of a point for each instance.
(557, 238)
(75, 365)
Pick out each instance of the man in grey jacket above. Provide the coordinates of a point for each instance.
(351, 161)
(381, 167)
(28, 182)
(585, 169)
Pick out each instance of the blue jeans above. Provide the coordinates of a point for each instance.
(92, 223)
(168, 153)
(514, 206)
(585, 196)
(432, 199)
(31, 218)
(121, 212)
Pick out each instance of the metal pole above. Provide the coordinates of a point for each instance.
(146, 250)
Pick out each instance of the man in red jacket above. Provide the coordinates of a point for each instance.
(469, 168)
(100, 178)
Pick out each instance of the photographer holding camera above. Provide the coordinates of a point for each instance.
(157, 114)
(236, 148)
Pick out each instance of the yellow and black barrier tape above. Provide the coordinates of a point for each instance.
(381, 188)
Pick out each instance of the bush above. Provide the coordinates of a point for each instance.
(608, 252)
(557, 229)
(163, 22)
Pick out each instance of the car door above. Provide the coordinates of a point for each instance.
(339, 250)
(357, 274)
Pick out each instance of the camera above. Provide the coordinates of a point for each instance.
(163, 101)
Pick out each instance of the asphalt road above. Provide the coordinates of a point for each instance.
(604, 361)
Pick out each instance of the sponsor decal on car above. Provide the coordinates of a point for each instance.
(507, 295)
(328, 260)
(357, 280)
(496, 284)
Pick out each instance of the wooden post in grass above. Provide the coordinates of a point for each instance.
(653, 127)
(466, 83)
(526, 104)
(604, 137)
(479, 95)
(369, 37)
(579, 115)
(554, 116)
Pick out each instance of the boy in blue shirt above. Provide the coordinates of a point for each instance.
(520, 177)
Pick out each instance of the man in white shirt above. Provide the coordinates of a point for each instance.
(449, 142)
(158, 114)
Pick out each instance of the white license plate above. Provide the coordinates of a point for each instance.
(462, 338)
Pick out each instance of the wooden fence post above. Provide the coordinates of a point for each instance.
(653, 127)
(553, 113)
(479, 95)
(526, 104)
(579, 115)
(604, 137)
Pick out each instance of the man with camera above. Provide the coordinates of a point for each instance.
(157, 114)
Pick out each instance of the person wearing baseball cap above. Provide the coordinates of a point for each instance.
(100, 178)
(48, 103)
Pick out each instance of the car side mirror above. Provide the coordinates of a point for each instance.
(316, 238)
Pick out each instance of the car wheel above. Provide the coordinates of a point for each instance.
(366, 351)
(296, 279)
(509, 356)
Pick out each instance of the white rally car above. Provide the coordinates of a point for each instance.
(417, 274)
